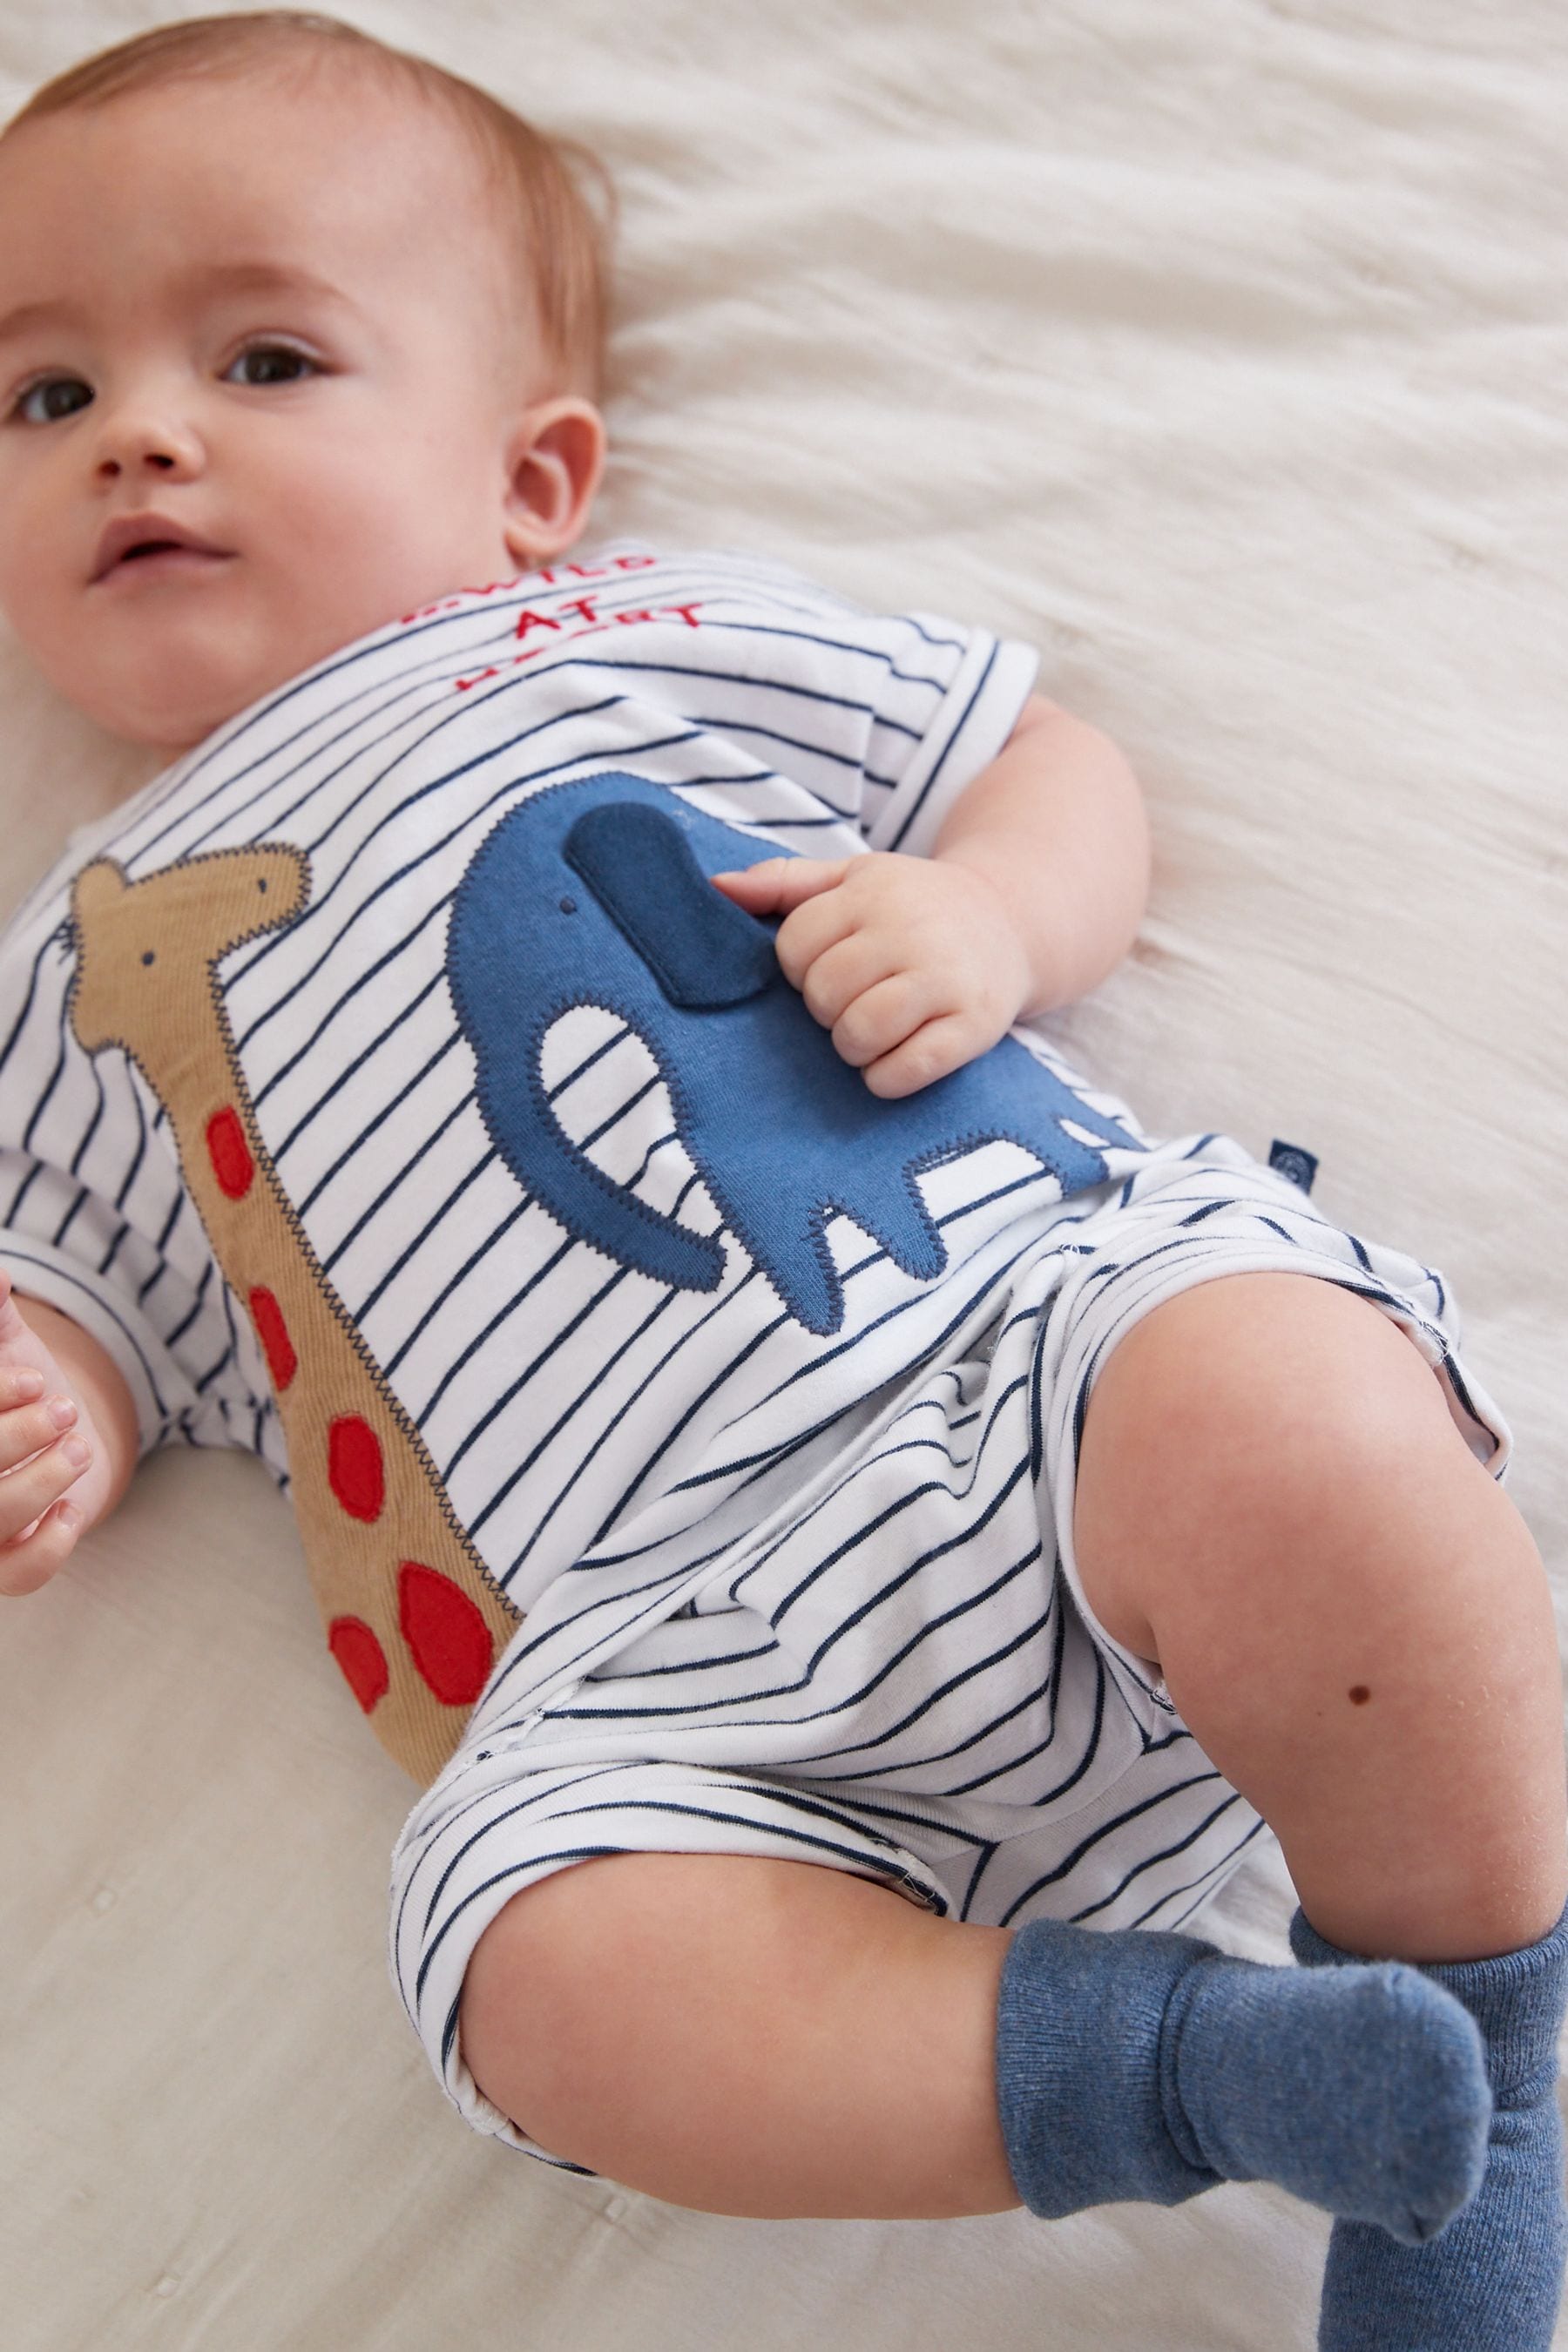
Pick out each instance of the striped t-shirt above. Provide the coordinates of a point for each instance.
(608, 1225)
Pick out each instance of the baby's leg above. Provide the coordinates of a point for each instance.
(751, 2036)
(1273, 1502)
(745, 2035)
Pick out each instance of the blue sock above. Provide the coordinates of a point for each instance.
(1493, 2280)
(1136, 2065)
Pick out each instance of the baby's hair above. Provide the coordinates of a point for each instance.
(538, 179)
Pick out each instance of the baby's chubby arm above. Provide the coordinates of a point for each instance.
(58, 1388)
(1033, 893)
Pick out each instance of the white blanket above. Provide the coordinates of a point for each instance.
(1220, 350)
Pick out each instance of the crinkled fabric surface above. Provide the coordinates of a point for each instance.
(1221, 353)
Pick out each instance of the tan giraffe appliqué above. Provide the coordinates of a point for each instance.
(414, 1617)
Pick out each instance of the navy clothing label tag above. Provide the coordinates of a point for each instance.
(1289, 1159)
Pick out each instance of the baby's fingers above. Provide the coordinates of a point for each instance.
(26, 1429)
(28, 1493)
(931, 1052)
(39, 1552)
(875, 1019)
(776, 886)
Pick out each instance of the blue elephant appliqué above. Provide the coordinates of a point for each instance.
(596, 892)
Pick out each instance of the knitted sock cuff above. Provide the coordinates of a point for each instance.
(1079, 2022)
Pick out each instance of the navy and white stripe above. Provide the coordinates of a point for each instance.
(889, 1666)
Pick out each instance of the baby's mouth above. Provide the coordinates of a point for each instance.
(162, 558)
(152, 546)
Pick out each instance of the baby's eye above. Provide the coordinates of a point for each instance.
(35, 405)
(273, 363)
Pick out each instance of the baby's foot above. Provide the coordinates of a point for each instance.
(1142, 2065)
(1363, 2090)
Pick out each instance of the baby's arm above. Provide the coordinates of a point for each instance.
(58, 1388)
(1033, 893)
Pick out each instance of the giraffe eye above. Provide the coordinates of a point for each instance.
(262, 884)
(149, 957)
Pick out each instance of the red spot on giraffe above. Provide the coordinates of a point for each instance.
(354, 1468)
(229, 1153)
(448, 1637)
(273, 1333)
(362, 1658)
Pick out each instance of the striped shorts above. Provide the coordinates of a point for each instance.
(927, 1700)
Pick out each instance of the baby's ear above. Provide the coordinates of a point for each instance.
(554, 461)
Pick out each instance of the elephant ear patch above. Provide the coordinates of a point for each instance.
(704, 952)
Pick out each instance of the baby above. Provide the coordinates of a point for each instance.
(828, 1504)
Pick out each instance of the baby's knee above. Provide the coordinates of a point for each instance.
(1243, 1422)
(1292, 1383)
(1278, 1489)
(598, 1988)
(539, 1985)
(1252, 1417)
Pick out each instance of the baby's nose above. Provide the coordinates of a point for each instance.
(143, 440)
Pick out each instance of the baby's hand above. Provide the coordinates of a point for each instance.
(44, 1452)
(914, 965)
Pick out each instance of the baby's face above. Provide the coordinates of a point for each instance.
(264, 320)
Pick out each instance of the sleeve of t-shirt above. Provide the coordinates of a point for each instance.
(946, 701)
(885, 717)
(95, 1220)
